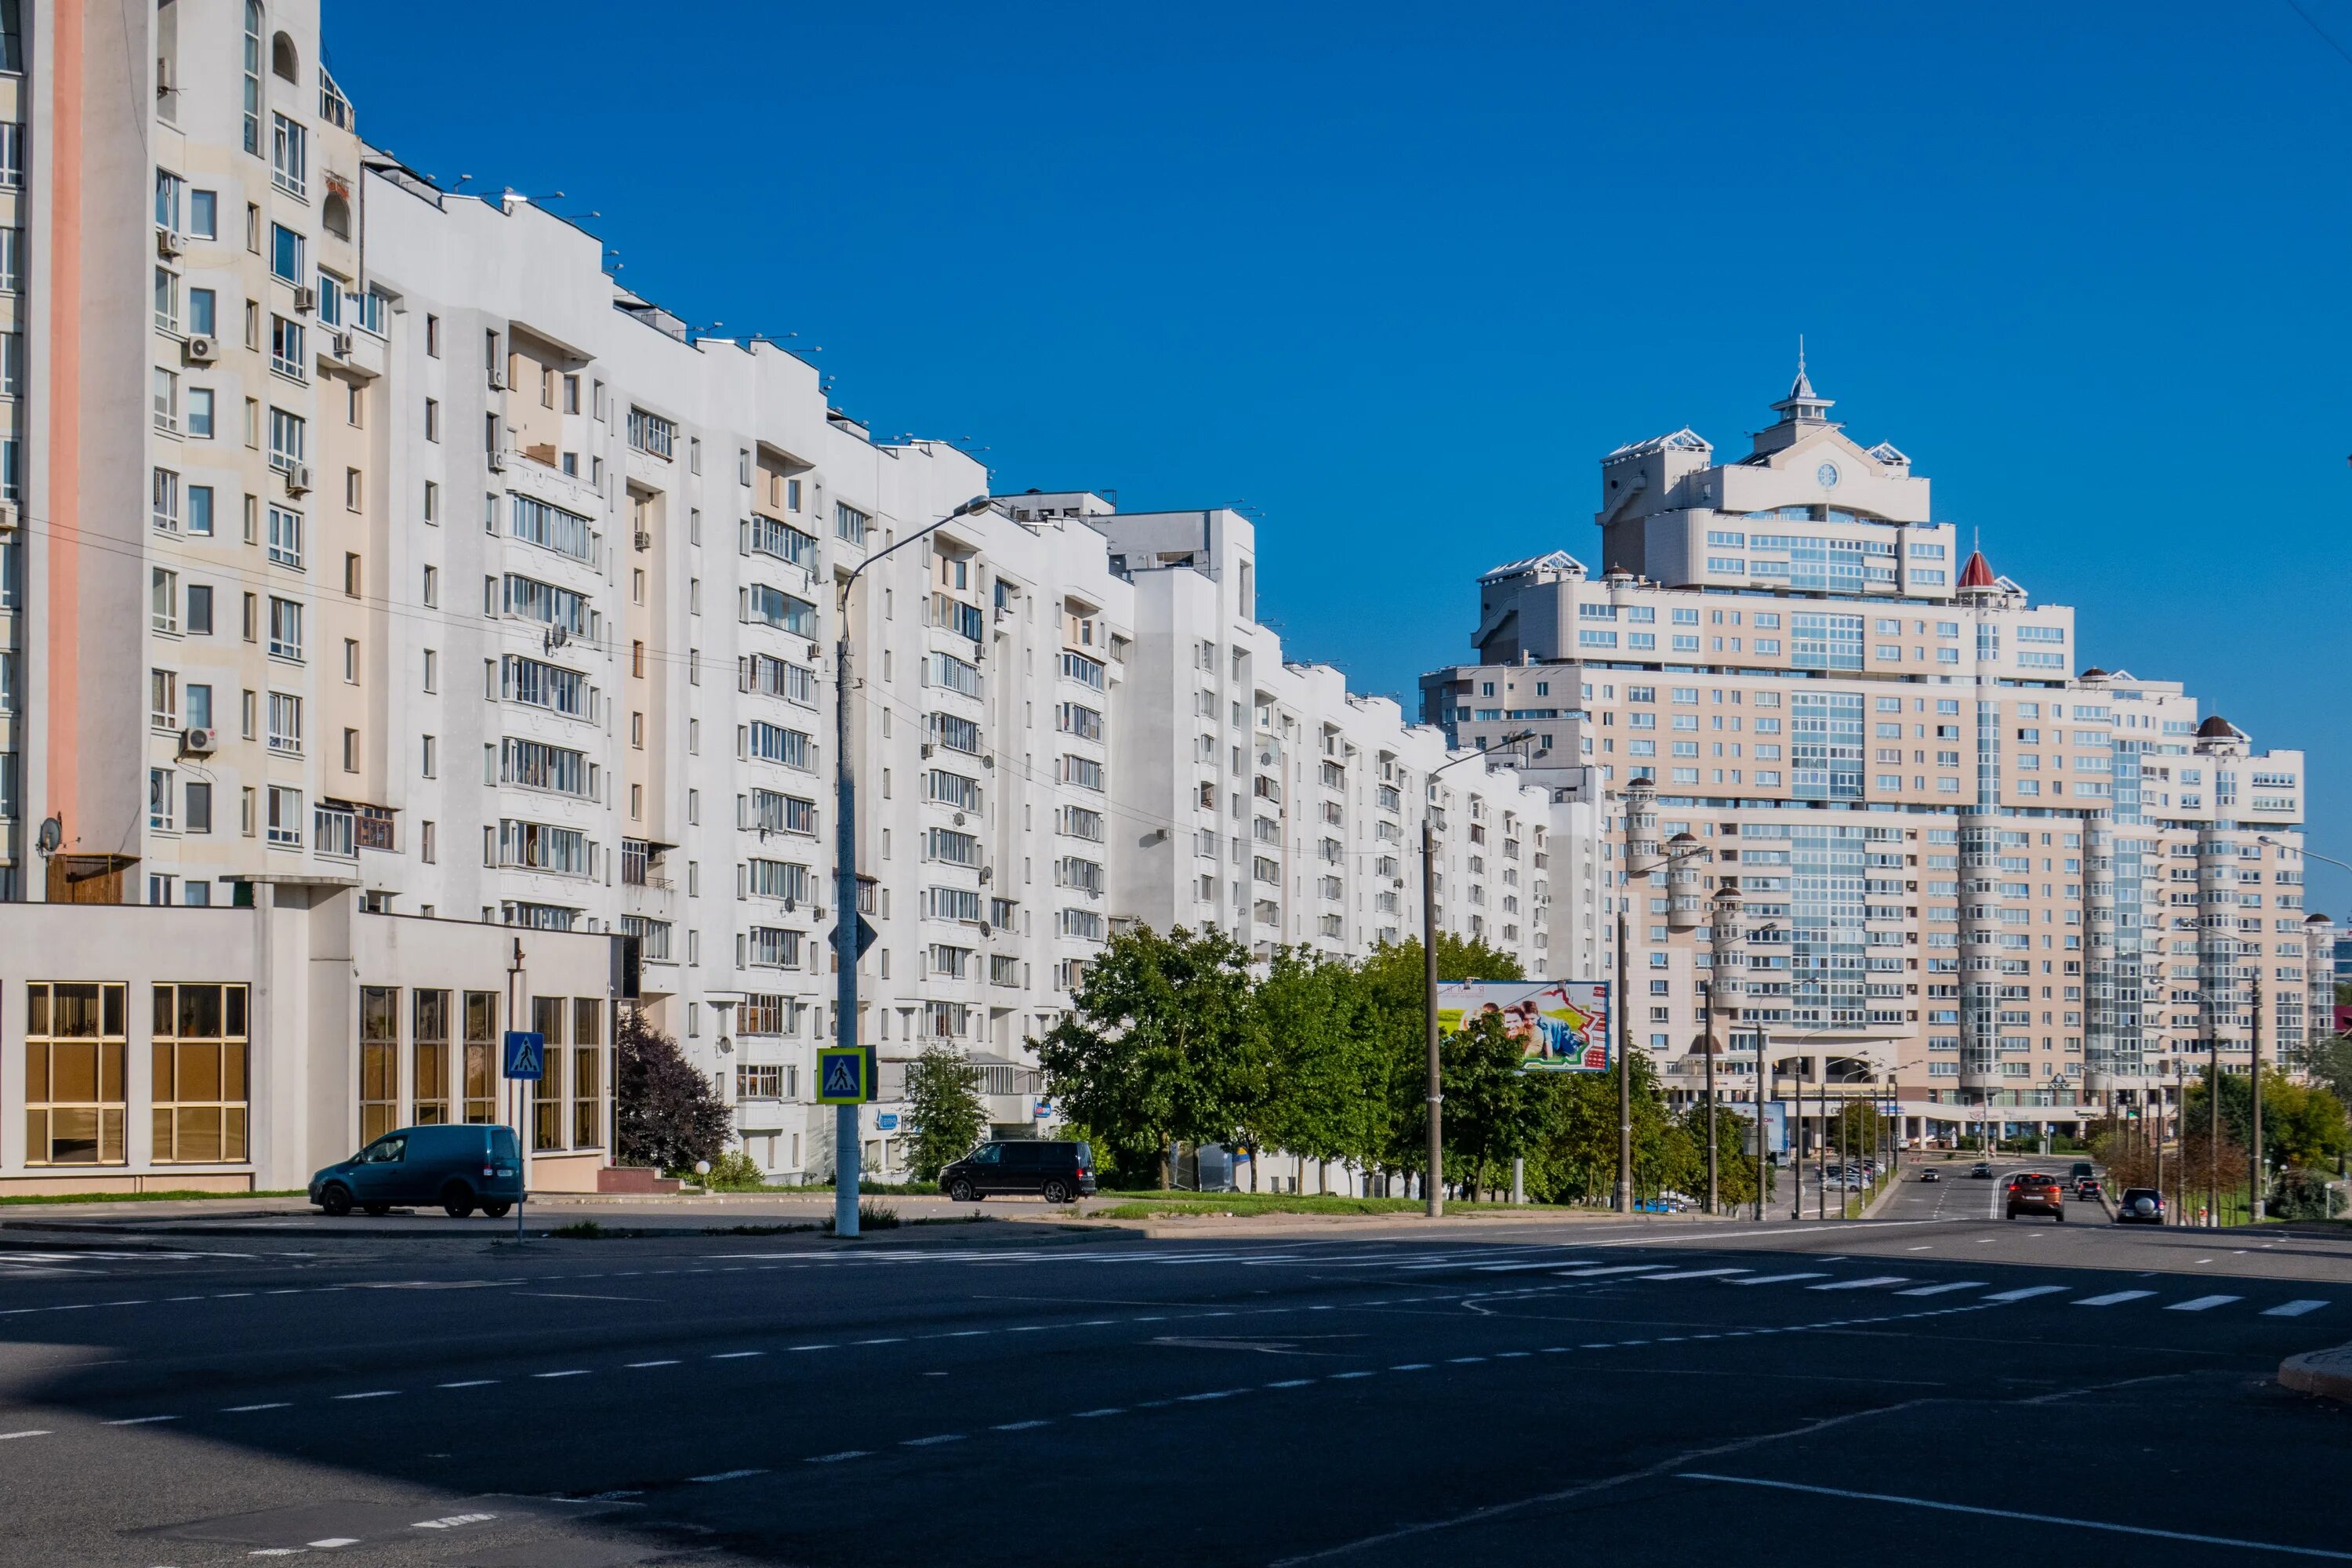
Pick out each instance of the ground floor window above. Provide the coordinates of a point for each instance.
(379, 1061)
(481, 1040)
(548, 1017)
(429, 1051)
(587, 1074)
(199, 1050)
(74, 1049)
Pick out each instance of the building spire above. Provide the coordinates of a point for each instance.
(1802, 405)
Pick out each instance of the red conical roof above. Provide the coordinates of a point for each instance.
(1977, 573)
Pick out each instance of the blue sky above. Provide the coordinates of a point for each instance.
(1395, 281)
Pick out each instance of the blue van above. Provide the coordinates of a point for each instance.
(462, 1167)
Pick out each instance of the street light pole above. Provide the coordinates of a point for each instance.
(846, 1152)
(1722, 935)
(1433, 1183)
(1762, 1162)
(2255, 1079)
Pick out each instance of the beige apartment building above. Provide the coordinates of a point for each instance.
(1977, 872)
(366, 543)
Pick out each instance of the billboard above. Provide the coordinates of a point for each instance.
(1562, 1026)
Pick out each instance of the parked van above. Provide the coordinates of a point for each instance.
(1058, 1170)
(461, 1167)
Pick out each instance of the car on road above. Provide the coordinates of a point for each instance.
(2082, 1170)
(2087, 1188)
(1982, 1169)
(1060, 1170)
(1929, 1176)
(461, 1167)
(2034, 1192)
(2140, 1206)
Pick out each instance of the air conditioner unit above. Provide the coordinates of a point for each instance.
(645, 540)
(164, 81)
(198, 743)
(497, 380)
(497, 461)
(959, 819)
(989, 761)
(8, 517)
(169, 242)
(297, 479)
(340, 345)
(987, 875)
(201, 350)
(305, 298)
(557, 636)
(928, 748)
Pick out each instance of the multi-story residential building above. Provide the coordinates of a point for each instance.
(459, 581)
(1997, 886)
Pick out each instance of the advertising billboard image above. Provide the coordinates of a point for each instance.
(1562, 1026)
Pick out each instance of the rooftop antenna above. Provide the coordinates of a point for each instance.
(1800, 353)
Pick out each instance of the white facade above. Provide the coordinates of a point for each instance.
(484, 586)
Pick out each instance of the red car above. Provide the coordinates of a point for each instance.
(2036, 1193)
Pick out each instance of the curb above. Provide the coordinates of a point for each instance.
(2327, 1373)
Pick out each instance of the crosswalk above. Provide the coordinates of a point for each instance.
(1632, 1274)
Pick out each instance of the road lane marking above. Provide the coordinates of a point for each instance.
(1695, 1274)
(2029, 1518)
(1106, 1410)
(1940, 1289)
(726, 1475)
(27, 1432)
(241, 1409)
(1019, 1426)
(932, 1442)
(2027, 1293)
(1777, 1278)
(1871, 1283)
(2202, 1303)
(638, 1363)
(141, 1420)
(737, 1355)
(1344, 1376)
(467, 1383)
(1616, 1269)
(2294, 1309)
(371, 1394)
(836, 1459)
(2113, 1297)
(568, 1372)
(1291, 1382)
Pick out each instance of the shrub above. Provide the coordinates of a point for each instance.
(735, 1172)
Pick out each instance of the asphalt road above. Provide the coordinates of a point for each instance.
(1496, 1394)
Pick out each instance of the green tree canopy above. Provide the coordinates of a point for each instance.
(944, 1105)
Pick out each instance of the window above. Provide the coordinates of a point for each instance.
(199, 412)
(769, 606)
(198, 1090)
(204, 208)
(286, 723)
(290, 156)
(289, 256)
(163, 600)
(200, 510)
(533, 600)
(547, 686)
(160, 798)
(773, 743)
(285, 629)
(12, 260)
(76, 1097)
(164, 509)
(542, 847)
(647, 432)
(379, 1061)
(288, 440)
(199, 816)
(203, 312)
(286, 355)
(200, 609)
(286, 536)
(12, 155)
(850, 523)
(535, 521)
(167, 401)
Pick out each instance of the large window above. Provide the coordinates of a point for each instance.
(535, 765)
(289, 256)
(538, 601)
(651, 432)
(75, 1050)
(429, 1047)
(379, 1061)
(285, 629)
(481, 1042)
(199, 1053)
(545, 686)
(286, 536)
(587, 1073)
(547, 1017)
(535, 521)
(289, 155)
(773, 607)
(774, 743)
(288, 440)
(253, 76)
(542, 847)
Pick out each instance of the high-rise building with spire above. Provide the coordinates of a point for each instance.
(1977, 870)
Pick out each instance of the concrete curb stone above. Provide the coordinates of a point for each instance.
(2327, 1373)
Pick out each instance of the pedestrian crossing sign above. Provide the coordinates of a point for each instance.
(846, 1075)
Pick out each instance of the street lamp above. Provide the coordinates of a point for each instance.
(1642, 859)
(1723, 935)
(1433, 1198)
(846, 1153)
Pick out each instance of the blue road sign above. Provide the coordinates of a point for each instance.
(846, 1075)
(886, 1121)
(526, 1054)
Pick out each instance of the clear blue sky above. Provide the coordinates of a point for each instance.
(1395, 281)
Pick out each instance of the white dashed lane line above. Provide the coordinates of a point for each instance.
(2294, 1309)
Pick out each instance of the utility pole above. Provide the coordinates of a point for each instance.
(1624, 1068)
(1797, 1149)
(1822, 1148)
(1763, 1163)
(1723, 936)
(2255, 1079)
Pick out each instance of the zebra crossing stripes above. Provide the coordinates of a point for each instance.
(2293, 1308)
(2114, 1298)
(1945, 1289)
(2202, 1303)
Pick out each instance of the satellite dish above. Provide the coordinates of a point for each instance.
(52, 834)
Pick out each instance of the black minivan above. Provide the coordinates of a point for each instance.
(461, 1166)
(1058, 1171)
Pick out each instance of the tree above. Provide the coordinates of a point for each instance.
(1162, 1045)
(2331, 1064)
(1322, 1099)
(944, 1105)
(1493, 1111)
(665, 1112)
(2303, 1126)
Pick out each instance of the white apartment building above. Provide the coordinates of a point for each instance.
(441, 573)
(1986, 882)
